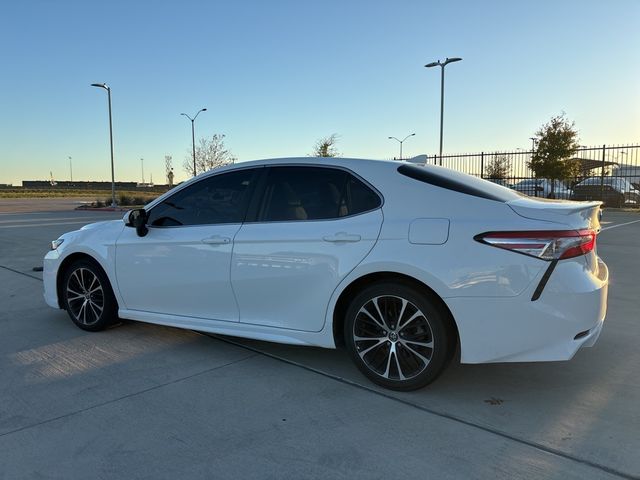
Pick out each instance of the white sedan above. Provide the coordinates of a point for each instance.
(401, 264)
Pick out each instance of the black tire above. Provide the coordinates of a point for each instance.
(87, 296)
(413, 345)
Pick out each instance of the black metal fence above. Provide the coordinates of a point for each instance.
(608, 173)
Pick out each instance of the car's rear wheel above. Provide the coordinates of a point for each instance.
(397, 336)
(87, 296)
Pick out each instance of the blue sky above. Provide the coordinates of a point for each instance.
(277, 75)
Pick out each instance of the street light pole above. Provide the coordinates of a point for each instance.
(70, 171)
(401, 142)
(442, 65)
(193, 136)
(113, 181)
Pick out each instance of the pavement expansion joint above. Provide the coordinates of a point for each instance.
(21, 273)
(129, 395)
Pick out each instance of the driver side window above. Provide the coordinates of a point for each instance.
(217, 199)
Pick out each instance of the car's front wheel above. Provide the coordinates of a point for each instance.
(87, 296)
(398, 336)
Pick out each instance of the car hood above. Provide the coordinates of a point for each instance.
(91, 226)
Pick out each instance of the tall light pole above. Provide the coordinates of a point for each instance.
(193, 136)
(442, 65)
(142, 165)
(113, 180)
(401, 142)
(70, 171)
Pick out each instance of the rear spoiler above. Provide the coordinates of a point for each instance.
(578, 215)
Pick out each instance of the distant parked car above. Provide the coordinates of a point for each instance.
(631, 173)
(500, 181)
(615, 192)
(541, 187)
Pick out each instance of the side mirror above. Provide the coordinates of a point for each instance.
(138, 219)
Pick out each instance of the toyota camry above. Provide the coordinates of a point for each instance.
(403, 265)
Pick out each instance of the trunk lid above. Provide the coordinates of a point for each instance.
(578, 215)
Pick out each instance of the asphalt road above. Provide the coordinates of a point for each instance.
(144, 401)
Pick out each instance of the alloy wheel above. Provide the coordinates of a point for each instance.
(85, 296)
(393, 337)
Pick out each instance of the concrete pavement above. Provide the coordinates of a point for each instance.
(143, 401)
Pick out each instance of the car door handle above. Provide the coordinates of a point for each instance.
(342, 237)
(216, 240)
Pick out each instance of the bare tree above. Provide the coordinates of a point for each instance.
(498, 167)
(210, 153)
(326, 147)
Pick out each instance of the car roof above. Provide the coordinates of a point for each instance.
(357, 164)
(328, 161)
(370, 169)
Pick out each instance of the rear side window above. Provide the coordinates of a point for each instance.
(314, 193)
(459, 182)
(217, 199)
(359, 197)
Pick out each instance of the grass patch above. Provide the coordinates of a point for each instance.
(58, 193)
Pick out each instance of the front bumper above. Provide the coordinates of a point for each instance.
(568, 315)
(49, 277)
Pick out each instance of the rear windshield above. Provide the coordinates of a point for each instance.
(459, 182)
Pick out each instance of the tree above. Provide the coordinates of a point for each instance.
(210, 153)
(498, 167)
(556, 143)
(326, 147)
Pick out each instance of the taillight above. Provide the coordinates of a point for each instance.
(543, 244)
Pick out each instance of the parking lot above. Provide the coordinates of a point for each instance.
(144, 401)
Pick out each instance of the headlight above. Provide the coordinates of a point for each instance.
(56, 243)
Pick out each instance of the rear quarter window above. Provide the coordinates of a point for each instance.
(359, 198)
(459, 182)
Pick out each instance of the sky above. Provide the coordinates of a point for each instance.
(275, 76)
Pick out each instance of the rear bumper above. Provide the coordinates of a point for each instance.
(568, 315)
